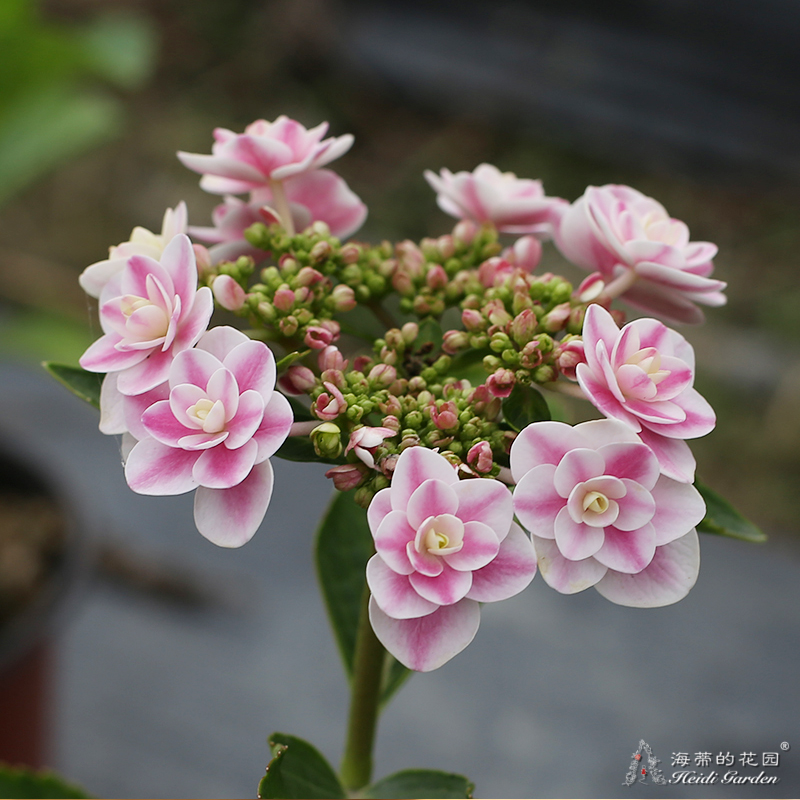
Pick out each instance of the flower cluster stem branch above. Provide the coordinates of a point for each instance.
(356, 769)
(619, 285)
(282, 206)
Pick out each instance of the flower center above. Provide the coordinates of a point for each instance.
(641, 383)
(440, 536)
(595, 502)
(208, 414)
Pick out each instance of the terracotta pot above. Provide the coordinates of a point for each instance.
(26, 636)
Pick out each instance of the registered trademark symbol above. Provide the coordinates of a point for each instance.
(784, 745)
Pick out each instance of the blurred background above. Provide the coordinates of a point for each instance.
(695, 105)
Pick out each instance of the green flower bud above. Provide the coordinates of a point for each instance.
(327, 440)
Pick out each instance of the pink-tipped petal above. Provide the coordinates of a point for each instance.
(221, 340)
(481, 545)
(112, 407)
(445, 589)
(667, 579)
(509, 573)
(415, 466)
(380, 506)
(393, 593)
(536, 502)
(486, 501)
(253, 365)
(542, 443)
(636, 509)
(193, 367)
(577, 466)
(275, 426)
(679, 508)
(628, 551)
(230, 517)
(634, 461)
(247, 420)
(153, 468)
(391, 538)
(426, 643)
(674, 455)
(221, 468)
(576, 540)
(567, 577)
(431, 498)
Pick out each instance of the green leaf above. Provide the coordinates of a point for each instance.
(430, 332)
(423, 783)
(23, 783)
(289, 359)
(344, 545)
(300, 448)
(85, 385)
(298, 770)
(523, 406)
(724, 520)
(469, 366)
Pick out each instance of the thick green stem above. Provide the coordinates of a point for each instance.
(356, 769)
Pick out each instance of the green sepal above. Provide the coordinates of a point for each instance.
(290, 358)
(724, 520)
(298, 770)
(81, 383)
(420, 783)
(523, 406)
(24, 783)
(343, 547)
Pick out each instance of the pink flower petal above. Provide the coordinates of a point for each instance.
(597, 433)
(567, 577)
(634, 461)
(193, 324)
(699, 418)
(576, 540)
(667, 579)
(542, 443)
(147, 374)
(508, 573)
(391, 537)
(426, 643)
(103, 356)
(674, 455)
(253, 365)
(393, 593)
(577, 466)
(536, 501)
(230, 517)
(221, 468)
(486, 501)
(221, 340)
(636, 509)
(431, 498)
(424, 563)
(193, 367)
(222, 386)
(159, 421)
(481, 545)
(628, 551)
(445, 589)
(380, 506)
(248, 419)
(679, 508)
(153, 468)
(112, 407)
(415, 466)
(178, 260)
(275, 426)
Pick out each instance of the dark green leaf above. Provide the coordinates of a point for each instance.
(344, 545)
(85, 385)
(424, 783)
(523, 406)
(289, 359)
(469, 366)
(723, 519)
(300, 448)
(298, 770)
(430, 331)
(23, 783)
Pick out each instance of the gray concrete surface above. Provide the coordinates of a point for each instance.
(156, 699)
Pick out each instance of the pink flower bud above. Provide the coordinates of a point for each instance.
(464, 232)
(410, 332)
(331, 358)
(228, 293)
(297, 380)
(455, 341)
(284, 299)
(202, 259)
(350, 253)
(403, 283)
(480, 457)
(344, 298)
(410, 257)
(301, 294)
(334, 376)
(364, 440)
(473, 320)
(308, 276)
(288, 325)
(446, 246)
(317, 337)
(501, 382)
(388, 464)
(497, 314)
(347, 476)
(531, 355)
(392, 406)
(383, 374)
(436, 277)
(333, 326)
(446, 416)
(526, 253)
(568, 355)
(329, 405)
(556, 318)
(391, 422)
(523, 327)
(361, 363)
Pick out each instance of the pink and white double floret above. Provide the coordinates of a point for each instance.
(266, 152)
(512, 204)
(443, 547)
(222, 421)
(364, 440)
(641, 253)
(642, 375)
(602, 515)
(151, 311)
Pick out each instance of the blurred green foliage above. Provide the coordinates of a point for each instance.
(55, 100)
